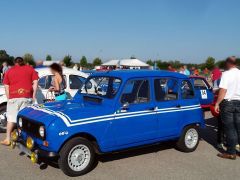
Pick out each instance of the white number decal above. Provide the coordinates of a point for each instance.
(204, 94)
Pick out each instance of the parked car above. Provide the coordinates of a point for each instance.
(74, 79)
(134, 108)
(203, 91)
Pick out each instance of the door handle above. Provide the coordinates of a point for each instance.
(178, 106)
(152, 109)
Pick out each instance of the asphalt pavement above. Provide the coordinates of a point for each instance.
(158, 162)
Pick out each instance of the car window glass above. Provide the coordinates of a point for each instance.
(101, 86)
(200, 84)
(42, 82)
(75, 82)
(136, 91)
(187, 91)
(50, 81)
(166, 89)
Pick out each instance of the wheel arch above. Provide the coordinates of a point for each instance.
(87, 136)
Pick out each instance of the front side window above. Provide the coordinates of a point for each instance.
(101, 86)
(136, 91)
(166, 89)
(187, 91)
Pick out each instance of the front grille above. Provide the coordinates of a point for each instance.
(31, 127)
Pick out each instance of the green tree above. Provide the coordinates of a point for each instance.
(97, 62)
(48, 57)
(4, 57)
(83, 62)
(210, 62)
(67, 60)
(133, 57)
(29, 59)
(150, 62)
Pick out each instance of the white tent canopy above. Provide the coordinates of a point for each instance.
(126, 62)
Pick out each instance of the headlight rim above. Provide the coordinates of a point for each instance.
(20, 119)
(43, 129)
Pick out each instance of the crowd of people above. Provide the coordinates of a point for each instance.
(21, 82)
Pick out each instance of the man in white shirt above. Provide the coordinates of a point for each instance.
(228, 104)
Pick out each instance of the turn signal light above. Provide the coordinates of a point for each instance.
(45, 143)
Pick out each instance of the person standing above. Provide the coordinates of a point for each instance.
(186, 71)
(228, 104)
(58, 84)
(216, 76)
(21, 86)
(171, 69)
(4, 68)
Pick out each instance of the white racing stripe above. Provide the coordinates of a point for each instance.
(69, 122)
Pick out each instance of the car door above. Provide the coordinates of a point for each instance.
(135, 120)
(166, 90)
(203, 91)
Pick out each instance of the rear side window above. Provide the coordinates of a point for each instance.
(42, 82)
(136, 91)
(187, 91)
(75, 82)
(200, 84)
(166, 89)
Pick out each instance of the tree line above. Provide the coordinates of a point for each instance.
(67, 60)
(209, 63)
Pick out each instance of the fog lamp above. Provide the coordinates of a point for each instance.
(34, 157)
(13, 144)
(14, 135)
(30, 143)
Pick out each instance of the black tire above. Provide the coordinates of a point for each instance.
(182, 144)
(3, 123)
(66, 150)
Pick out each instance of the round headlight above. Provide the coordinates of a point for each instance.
(20, 122)
(42, 131)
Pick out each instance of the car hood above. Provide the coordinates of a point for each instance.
(68, 111)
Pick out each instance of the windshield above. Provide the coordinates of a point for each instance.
(101, 86)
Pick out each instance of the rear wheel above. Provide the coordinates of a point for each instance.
(189, 140)
(3, 118)
(77, 157)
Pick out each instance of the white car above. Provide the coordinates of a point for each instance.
(73, 79)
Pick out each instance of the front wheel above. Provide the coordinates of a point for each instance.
(77, 157)
(189, 139)
(3, 118)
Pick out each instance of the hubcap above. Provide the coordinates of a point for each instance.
(3, 120)
(191, 138)
(79, 157)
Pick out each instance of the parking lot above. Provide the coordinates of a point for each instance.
(154, 162)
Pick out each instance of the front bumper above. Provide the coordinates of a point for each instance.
(37, 152)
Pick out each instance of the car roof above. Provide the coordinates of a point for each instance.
(140, 73)
(46, 71)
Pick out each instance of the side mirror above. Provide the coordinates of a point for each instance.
(125, 105)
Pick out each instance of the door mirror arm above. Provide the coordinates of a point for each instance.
(125, 106)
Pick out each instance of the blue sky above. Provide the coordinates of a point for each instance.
(188, 30)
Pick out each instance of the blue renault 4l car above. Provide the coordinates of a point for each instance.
(112, 111)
